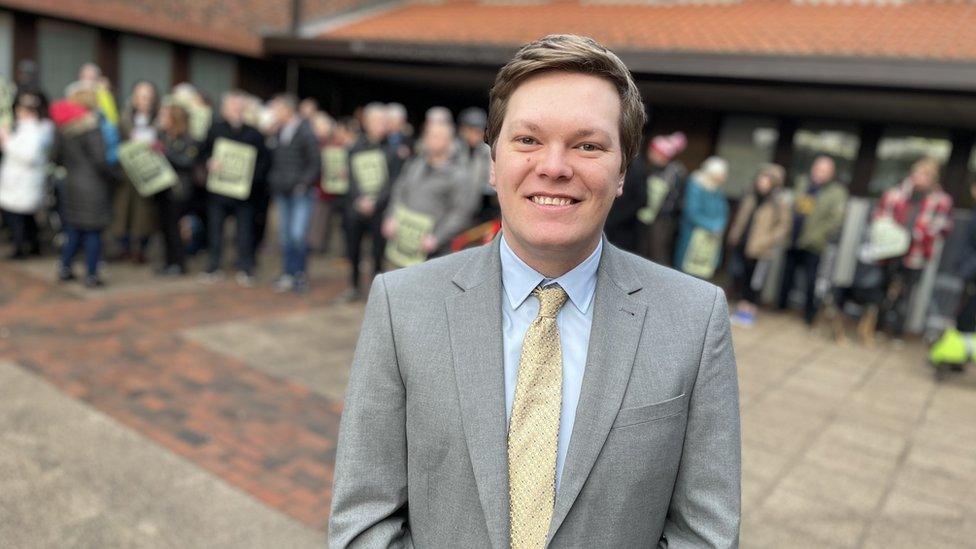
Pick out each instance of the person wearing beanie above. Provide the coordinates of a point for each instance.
(475, 159)
(762, 224)
(87, 187)
(706, 211)
(645, 217)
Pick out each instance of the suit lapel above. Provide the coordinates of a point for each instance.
(475, 324)
(618, 319)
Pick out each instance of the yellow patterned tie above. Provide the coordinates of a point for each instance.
(533, 431)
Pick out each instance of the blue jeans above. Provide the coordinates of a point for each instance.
(294, 216)
(92, 241)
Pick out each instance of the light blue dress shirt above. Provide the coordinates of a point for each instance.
(519, 309)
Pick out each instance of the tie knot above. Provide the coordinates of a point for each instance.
(551, 299)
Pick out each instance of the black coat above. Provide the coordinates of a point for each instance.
(249, 136)
(623, 228)
(183, 153)
(87, 190)
(295, 166)
(393, 165)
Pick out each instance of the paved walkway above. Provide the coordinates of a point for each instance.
(172, 413)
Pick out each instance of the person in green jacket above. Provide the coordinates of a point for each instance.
(818, 214)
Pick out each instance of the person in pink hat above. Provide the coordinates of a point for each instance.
(644, 220)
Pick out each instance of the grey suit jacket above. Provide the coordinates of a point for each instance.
(654, 455)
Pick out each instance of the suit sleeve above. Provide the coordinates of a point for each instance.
(369, 504)
(705, 504)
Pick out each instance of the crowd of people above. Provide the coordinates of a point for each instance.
(405, 196)
(168, 165)
(684, 221)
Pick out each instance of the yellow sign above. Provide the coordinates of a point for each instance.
(236, 172)
(405, 248)
(370, 171)
(146, 168)
(200, 119)
(701, 257)
(335, 170)
(7, 93)
(657, 191)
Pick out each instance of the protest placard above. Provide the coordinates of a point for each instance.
(236, 162)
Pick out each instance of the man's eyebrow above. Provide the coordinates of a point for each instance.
(589, 132)
(528, 125)
(578, 134)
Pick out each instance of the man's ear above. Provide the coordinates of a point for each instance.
(620, 184)
(491, 173)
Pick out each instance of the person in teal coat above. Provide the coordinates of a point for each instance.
(705, 205)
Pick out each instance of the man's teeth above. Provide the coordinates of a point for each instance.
(552, 201)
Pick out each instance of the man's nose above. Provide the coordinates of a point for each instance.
(554, 164)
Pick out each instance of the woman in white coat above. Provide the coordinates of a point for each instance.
(22, 173)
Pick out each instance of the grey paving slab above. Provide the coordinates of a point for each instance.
(314, 349)
(846, 446)
(72, 477)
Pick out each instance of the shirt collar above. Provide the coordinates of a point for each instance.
(519, 279)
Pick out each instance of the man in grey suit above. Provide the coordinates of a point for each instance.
(546, 390)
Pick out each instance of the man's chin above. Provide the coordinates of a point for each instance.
(554, 244)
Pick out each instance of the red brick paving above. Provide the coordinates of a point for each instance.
(271, 437)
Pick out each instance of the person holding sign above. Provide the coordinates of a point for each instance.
(706, 212)
(334, 139)
(645, 219)
(135, 215)
(547, 389)
(293, 178)
(431, 202)
(234, 180)
(182, 153)
(373, 166)
(920, 206)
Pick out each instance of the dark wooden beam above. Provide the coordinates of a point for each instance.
(784, 144)
(880, 72)
(956, 176)
(866, 157)
(107, 54)
(25, 37)
(181, 64)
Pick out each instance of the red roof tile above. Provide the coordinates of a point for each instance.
(920, 30)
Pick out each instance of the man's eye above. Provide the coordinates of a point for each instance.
(525, 141)
(590, 147)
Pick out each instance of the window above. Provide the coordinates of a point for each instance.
(212, 73)
(839, 141)
(144, 59)
(62, 49)
(746, 142)
(898, 149)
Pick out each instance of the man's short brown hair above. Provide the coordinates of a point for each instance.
(576, 54)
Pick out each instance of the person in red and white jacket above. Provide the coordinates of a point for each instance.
(921, 206)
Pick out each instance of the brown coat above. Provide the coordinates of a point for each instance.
(135, 215)
(770, 228)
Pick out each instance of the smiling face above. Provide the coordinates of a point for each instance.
(557, 164)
